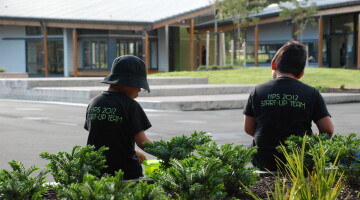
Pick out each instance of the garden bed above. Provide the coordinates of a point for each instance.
(196, 167)
(267, 181)
(264, 184)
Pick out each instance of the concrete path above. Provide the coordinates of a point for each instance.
(29, 128)
(167, 93)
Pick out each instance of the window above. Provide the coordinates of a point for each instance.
(129, 47)
(342, 24)
(36, 30)
(95, 54)
(153, 54)
(35, 58)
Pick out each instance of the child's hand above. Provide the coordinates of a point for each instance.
(141, 156)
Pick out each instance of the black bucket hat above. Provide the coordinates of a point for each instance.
(128, 71)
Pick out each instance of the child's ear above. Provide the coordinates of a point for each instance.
(273, 65)
(302, 74)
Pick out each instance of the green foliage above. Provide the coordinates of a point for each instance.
(319, 183)
(234, 160)
(240, 10)
(193, 178)
(340, 147)
(314, 76)
(348, 147)
(311, 147)
(111, 187)
(19, 184)
(301, 13)
(320, 89)
(214, 67)
(70, 168)
(296, 182)
(179, 148)
(2, 69)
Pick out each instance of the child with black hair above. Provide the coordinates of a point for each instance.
(115, 120)
(284, 106)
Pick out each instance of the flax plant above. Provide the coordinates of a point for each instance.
(296, 182)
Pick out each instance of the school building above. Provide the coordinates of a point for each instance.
(82, 38)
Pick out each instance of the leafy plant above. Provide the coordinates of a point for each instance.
(70, 168)
(145, 191)
(179, 148)
(2, 69)
(311, 147)
(19, 184)
(320, 89)
(348, 148)
(193, 178)
(234, 159)
(319, 183)
(111, 187)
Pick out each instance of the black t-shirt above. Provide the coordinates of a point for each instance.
(282, 107)
(112, 119)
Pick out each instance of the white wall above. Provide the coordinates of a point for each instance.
(279, 32)
(12, 51)
(163, 49)
(274, 33)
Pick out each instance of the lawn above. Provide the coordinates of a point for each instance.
(317, 77)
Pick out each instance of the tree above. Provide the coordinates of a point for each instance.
(242, 12)
(301, 13)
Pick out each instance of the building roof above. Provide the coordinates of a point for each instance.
(274, 10)
(98, 11)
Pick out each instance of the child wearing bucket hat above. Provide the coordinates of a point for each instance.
(115, 120)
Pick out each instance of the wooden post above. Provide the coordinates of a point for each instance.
(191, 50)
(200, 50)
(216, 51)
(320, 41)
(147, 51)
(232, 50)
(358, 44)
(46, 52)
(256, 46)
(75, 48)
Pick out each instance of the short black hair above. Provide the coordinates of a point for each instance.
(291, 58)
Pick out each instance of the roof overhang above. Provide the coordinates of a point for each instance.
(83, 24)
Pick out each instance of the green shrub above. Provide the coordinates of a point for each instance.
(234, 160)
(193, 178)
(201, 67)
(214, 67)
(296, 182)
(70, 168)
(347, 147)
(19, 184)
(311, 147)
(227, 67)
(179, 148)
(111, 187)
(340, 147)
(317, 183)
(2, 69)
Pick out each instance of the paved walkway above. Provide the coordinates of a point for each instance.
(29, 128)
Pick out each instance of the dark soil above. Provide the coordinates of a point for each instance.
(264, 185)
